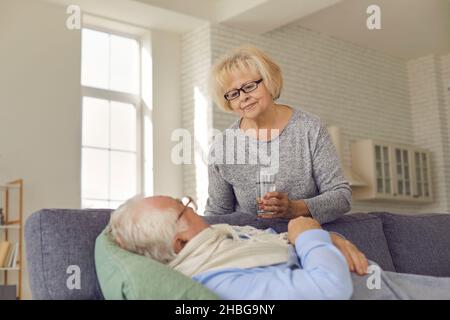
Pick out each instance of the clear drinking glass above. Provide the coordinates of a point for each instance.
(265, 182)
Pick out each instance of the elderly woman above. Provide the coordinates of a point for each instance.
(309, 181)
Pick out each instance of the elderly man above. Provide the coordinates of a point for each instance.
(238, 262)
(247, 263)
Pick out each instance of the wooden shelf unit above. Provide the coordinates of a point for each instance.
(13, 225)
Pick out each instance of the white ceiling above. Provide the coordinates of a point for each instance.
(410, 28)
(136, 13)
(255, 16)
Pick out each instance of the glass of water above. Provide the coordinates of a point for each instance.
(265, 182)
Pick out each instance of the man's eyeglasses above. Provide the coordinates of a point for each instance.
(247, 87)
(187, 202)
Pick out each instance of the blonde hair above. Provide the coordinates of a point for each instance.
(240, 59)
(142, 229)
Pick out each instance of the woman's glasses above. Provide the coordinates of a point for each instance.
(247, 87)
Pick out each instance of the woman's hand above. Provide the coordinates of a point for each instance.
(356, 260)
(279, 204)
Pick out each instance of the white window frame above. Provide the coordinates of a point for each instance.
(112, 95)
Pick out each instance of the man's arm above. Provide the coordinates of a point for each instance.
(356, 260)
(324, 275)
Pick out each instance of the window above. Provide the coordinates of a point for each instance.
(111, 118)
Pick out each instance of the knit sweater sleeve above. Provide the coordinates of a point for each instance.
(221, 197)
(335, 196)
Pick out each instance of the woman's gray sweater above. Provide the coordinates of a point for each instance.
(306, 163)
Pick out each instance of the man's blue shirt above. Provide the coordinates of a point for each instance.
(316, 269)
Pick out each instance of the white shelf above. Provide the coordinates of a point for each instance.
(9, 227)
(10, 269)
(5, 187)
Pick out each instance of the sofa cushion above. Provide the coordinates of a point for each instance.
(125, 275)
(419, 244)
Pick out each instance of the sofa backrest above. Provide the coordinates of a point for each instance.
(364, 230)
(59, 239)
(419, 244)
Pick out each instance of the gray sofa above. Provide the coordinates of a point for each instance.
(58, 238)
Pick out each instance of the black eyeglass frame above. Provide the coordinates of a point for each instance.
(257, 82)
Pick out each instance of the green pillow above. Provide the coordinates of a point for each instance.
(124, 275)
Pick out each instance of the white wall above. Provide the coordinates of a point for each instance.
(40, 112)
(445, 74)
(444, 83)
(196, 115)
(40, 106)
(166, 50)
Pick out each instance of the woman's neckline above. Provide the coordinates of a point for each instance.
(291, 119)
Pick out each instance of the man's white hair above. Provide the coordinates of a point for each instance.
(145, 230)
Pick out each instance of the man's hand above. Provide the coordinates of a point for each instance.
(356, 260)
(299, 225)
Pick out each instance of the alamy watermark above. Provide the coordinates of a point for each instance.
(229, 147)
(373, 22)
(374, 280)
(73, 282)
(73, 22)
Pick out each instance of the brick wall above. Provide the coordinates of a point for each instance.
(195, 64)
(368, 94)
(430, 122)
(445, 73)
